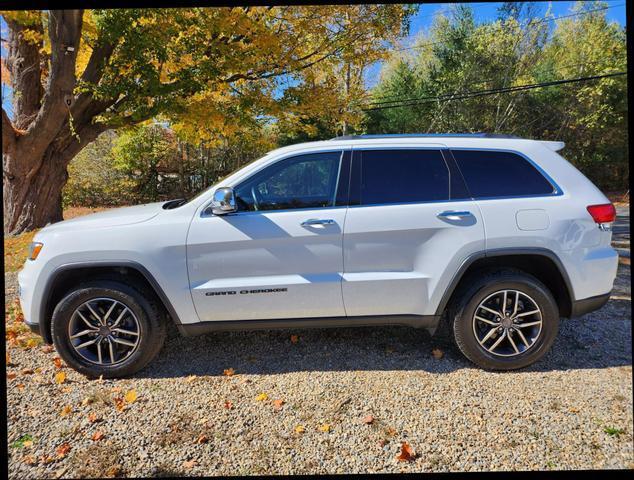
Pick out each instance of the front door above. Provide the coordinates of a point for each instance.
(280, 256)
(410, 225)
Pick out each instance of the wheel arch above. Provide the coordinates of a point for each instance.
(542, 263)
(67, 276)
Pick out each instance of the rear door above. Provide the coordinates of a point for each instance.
(409, 226)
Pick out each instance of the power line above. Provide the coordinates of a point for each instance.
(384, 99)
(481, 93)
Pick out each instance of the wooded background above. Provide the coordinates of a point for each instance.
(116, 107)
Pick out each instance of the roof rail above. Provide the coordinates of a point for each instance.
(416, 135)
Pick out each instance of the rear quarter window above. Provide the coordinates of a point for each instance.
(491, 174)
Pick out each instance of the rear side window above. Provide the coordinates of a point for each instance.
(491, 174)
(403, 176)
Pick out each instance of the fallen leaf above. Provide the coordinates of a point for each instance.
(11, 375)
(189, 464)
(277, 404)
(26, 371)
(571, 409)
(407, 453)
(382, 443)
(437, 353)
(86, 401)
(62, 450)
(390, 432)
(58, 362)
(294, 339)
(130, 397)
(67, 389)
(8, 358)
(228, 405)
(324, 428)
(119, 404)
(46, 459)
(30, 460)
(191, 378)
(20, 386)
(27, 443)
(60, 377)
(92, 417)
(261, 397)
(202, 439)
(47, 348)
(116, 389)
(300, 429)
(229, 372)
(98, 435)
(38, 370)
(66, 411)
(368, 419)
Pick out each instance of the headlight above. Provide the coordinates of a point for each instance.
(34, 250)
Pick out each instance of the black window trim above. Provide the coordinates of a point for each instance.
(355, 175)
(342, 161)
(557, 191)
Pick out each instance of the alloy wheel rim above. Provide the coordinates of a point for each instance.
(507, 323)
(104, 331)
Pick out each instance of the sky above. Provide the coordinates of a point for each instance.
(421, 22)
(483, 12)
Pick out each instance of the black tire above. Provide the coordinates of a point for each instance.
(476, 291)
(151, 325)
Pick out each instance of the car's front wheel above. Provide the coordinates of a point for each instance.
(504, 320)
(107, 328)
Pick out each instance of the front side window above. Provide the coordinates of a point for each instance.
(403, 176)
(304, 181)
(491, 174)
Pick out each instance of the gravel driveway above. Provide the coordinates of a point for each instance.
(350, 397)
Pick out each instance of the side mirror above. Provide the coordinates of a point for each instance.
(224, 201)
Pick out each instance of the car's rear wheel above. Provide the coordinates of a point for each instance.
(504, 320)
(107, 328)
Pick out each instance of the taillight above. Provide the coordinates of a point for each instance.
(605, 213)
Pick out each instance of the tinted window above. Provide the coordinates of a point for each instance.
(500, 174)
(403, 176)
(305, 181)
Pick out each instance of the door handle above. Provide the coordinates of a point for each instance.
(450, 215)
(317, 221)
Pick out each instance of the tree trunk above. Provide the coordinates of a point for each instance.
(33, 202)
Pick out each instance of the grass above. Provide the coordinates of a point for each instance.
(613, 431)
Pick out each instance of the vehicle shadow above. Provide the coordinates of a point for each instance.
(601, 339)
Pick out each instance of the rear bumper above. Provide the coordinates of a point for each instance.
(587, 305)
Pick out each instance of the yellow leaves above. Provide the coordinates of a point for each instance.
(229, 372)
(324, 428)
(27, 443)
(60, 377)
(261, 397)
(131, 396)
(300, 429)
(67, 410)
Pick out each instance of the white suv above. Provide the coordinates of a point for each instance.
(496, 237)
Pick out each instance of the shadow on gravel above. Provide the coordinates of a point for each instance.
(598, 340)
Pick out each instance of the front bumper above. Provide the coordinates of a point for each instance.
(587, 305)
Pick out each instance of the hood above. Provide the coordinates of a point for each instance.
(110, 218)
